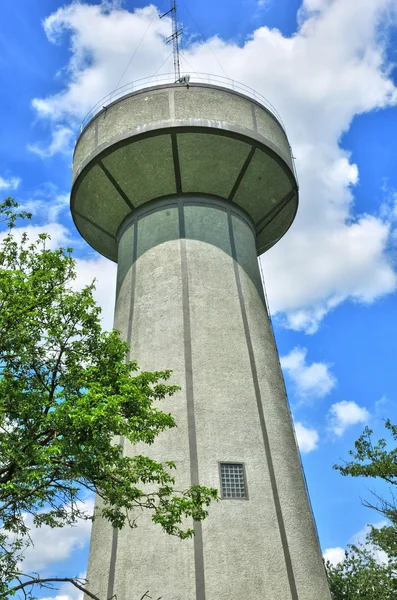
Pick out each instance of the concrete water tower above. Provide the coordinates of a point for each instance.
(184, 186)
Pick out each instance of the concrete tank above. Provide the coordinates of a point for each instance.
(183, 187)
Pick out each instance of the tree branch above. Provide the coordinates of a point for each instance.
(73, 580)
(39, 581)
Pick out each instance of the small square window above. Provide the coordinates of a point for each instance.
(233, 483)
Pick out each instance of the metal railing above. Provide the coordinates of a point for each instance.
(169, 78)
(163, 79)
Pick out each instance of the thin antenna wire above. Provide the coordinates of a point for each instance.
(202, 35)
(137, 48)
(174, 38)
(183, 57)
(162, 64)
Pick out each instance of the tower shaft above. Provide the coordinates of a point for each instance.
(197, 307)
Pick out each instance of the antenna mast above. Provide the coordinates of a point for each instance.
(174, 37)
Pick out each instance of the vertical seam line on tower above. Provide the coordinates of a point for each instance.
(177, 168)
(277, 504)
(132, 296)
(242, 173)
(187, 341)
(115, 536)
(116, 185)
(96, 134)
(112, 566)
(113, 552)
(171, 104)
(254, 121)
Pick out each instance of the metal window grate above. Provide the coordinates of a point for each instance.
(233, 481)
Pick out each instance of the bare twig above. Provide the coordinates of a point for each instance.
(146, 595)
(39, 581)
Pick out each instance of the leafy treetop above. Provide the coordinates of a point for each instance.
(362, 576)
(378, 461)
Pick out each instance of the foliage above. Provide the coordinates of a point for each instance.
(68, 399)
(361, 576)
(378, 461)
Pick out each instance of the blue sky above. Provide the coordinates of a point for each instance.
(327, 66)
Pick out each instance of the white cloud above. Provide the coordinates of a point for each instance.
(67, 591)
(307, 438)
(101, 40)
(51, 545)
(333, 274)
(344, 414)
(61, 142)
(360, 538)
(60, 236)
(47, 204)
(389, 206)
(11, 183)
(63, 596)
(318, 79)
(334, 555)
(337, 555)
(383, 406)
(104, 271)
(310, 380)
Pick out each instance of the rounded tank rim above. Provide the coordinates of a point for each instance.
(267, 148)
(197, 79)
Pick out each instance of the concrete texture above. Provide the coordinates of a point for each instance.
(166, 140)
(190, 299)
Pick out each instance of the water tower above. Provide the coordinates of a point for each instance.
(183, 185)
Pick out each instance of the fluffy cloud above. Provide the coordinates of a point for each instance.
(318, 79)
(344, 414)
(10, 183)
(360, 538)
(337, 555)
(67, 591)
(334, 555)
(307, 438)
(310, 380)
(383, 406)
(59, 235)
(65, 596)
(47, 204)
(101, 40)
(54, 545)
(104, 272)
(61, 140)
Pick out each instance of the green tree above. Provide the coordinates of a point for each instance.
(360, 576)
(378, 461)
(68, 396)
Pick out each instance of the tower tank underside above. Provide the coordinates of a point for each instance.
(184, 187)
(182, 140)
